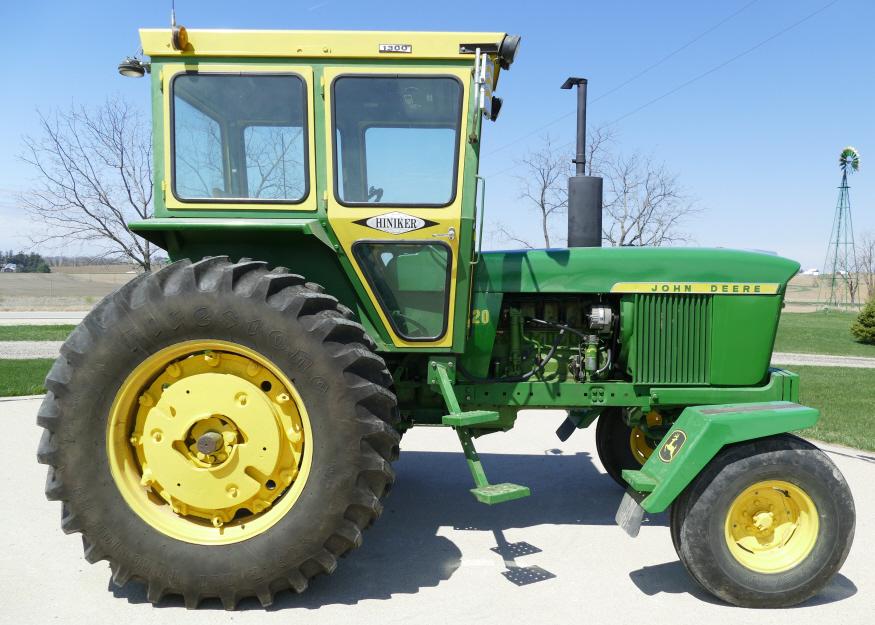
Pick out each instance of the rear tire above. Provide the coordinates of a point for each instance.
(766, 524)
(307, 335)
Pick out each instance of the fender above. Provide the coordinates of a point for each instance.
(696, 437)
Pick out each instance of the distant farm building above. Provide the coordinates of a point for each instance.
(9, 268)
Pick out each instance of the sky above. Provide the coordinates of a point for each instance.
(751, 110)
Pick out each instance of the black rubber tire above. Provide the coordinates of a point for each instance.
(612, 445)
(343, 384)
(698, 517)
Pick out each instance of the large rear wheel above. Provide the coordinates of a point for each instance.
(766, 524)
(218, 430)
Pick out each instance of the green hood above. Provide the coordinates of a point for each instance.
(598, 269)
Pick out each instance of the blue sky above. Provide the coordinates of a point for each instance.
(756, 141)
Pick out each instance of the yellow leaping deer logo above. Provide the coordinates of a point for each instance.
(672, 445)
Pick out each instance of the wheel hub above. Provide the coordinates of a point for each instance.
(771, 526)
(217, 437)
(640, 443)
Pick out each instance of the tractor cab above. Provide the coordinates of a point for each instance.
(353, 151)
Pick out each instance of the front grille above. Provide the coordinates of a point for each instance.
(672, 339)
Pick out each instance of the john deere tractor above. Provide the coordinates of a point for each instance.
(226, 426)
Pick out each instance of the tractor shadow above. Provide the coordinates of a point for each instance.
(672, 578)
(403, 552)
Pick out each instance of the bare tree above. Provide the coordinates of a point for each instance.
(866, 263)
(94, 174)
(544, 183)
(847, 272)
(644, 204)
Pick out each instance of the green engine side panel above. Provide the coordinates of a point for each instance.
(743, 334)
(597, 270)
(699, 433)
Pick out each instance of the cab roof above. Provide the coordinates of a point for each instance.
(156, 42)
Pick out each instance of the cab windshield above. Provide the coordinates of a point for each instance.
(396, 139)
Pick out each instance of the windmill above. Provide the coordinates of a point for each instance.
(840, 264)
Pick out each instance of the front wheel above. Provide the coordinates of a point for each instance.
(620, 446)
(766, 524)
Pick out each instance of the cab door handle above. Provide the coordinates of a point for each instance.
(449, 234)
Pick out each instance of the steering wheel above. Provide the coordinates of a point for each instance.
(420, 331)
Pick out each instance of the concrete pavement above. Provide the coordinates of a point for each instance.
(19, 350)
(823, 360)
(40, 318)
(436, 556)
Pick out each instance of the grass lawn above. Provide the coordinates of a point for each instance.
(35, 333)
(820, 333)
(23, 377)
(846, 400)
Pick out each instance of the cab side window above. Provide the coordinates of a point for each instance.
(238, 137)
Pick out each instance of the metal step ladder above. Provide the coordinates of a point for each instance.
(441, 376)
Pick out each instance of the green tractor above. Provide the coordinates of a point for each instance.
(226, 426)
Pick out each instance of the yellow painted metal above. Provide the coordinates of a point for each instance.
(771, 526)
(711, 288)
(642, 447)
(241, 406)
(171, 70)
(315, 43)
(343, 218)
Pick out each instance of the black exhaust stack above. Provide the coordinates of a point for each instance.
(584, 192)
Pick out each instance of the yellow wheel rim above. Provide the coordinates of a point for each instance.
(771, 526)
(209, 442)
(640, 445)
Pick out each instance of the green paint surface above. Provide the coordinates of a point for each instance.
(705, 430)
(596, 270)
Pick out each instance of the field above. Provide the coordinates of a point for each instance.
(67, 288)
(846, 400)
(820, 333)
(807, 293)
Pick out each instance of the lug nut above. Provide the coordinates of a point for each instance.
(147, 479)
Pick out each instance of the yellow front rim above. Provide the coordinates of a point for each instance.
(209, 442)
(771, 526)
(642, 447)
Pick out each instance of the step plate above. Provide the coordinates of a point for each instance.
(470, 417)
(499, 493)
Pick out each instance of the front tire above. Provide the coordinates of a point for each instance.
(766, 524)
(299, 451)
(620, 446)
